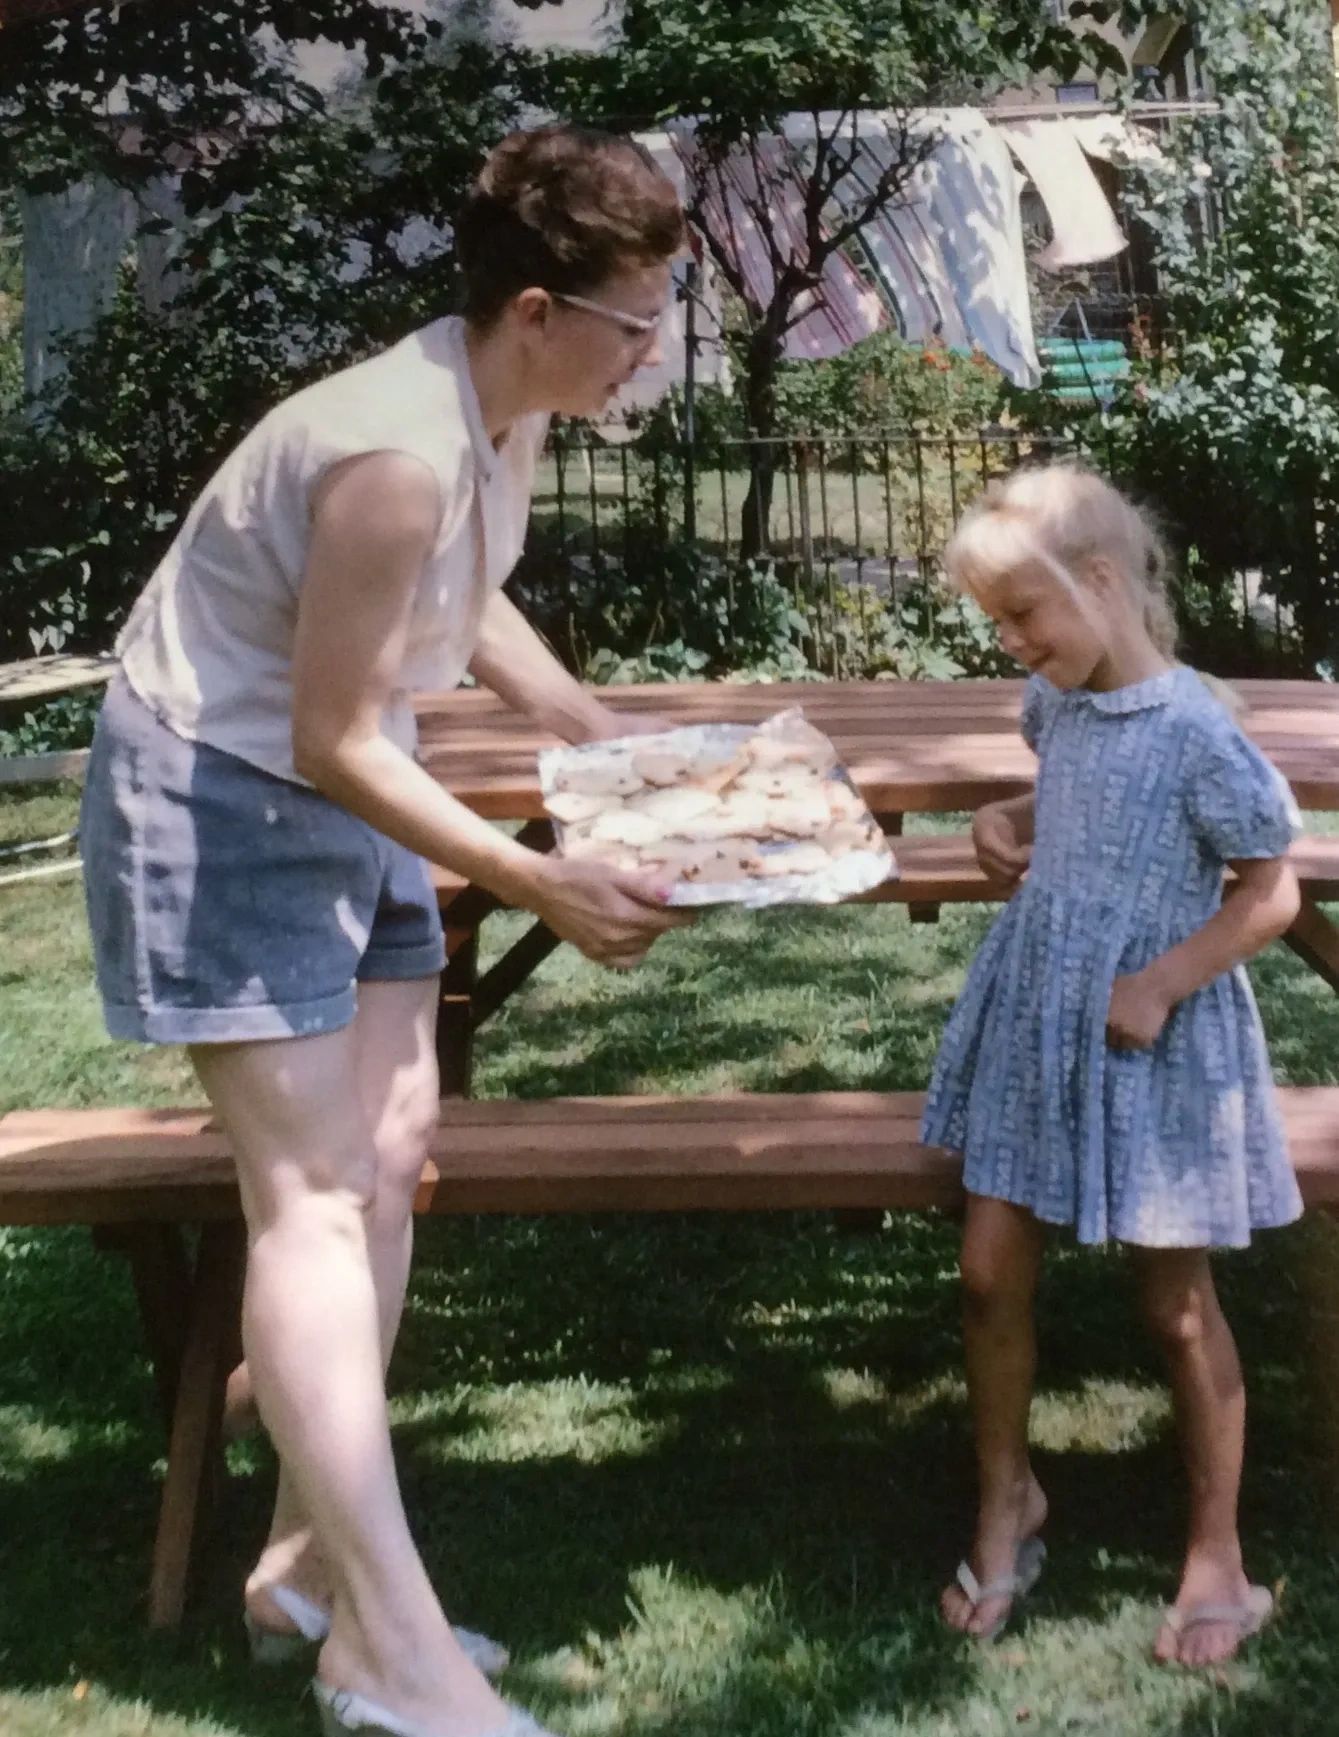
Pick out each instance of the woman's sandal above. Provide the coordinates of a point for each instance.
(344, 1713)
(270, 1647)
(1248, 1617)
(1028, 1562)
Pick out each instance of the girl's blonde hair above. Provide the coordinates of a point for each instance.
(1068, 516)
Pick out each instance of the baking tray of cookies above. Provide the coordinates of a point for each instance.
(727, 813)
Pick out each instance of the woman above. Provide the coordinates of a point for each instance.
(256, 827)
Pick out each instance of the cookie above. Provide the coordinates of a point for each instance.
(734, 815)
(733, 859)
(661, 768)
(799, 817)
(626, 826)
(688, 860)
(779, 782)
(673, 809)
(804, 859)
(794, 858)
(718, 768)
(601, 777)
(848, 835)
(801, 746)
(584, 848)
(679, 858)
(571, 807)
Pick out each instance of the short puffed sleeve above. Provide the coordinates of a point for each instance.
(1040, 699)
(1240, 804)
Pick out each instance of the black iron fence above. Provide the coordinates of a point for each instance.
(851, 526)
(818, 552)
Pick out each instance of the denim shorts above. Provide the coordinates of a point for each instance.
(227, 904)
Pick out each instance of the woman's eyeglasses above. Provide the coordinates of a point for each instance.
(631, 325)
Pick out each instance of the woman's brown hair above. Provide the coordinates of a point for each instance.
(562, 208)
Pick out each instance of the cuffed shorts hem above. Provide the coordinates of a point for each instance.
(227, 905)
(402, 964)
(230, 1024)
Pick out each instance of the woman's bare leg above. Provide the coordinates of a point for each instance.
(397, 1079)
(313, 1336)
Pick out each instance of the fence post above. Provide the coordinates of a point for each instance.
(690, 406)
(806, 524)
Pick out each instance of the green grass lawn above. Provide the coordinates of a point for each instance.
(704, 1474)
(849, 510)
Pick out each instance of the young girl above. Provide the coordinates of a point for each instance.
(1105, 1066)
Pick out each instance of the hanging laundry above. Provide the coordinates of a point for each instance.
(904, 248)
(948, 248)
(1084, 228)
(1113, 139)
(737, 190)
(711, 368)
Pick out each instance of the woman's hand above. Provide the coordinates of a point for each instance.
(1003, 855)
(611, 915)
(1139, 1009)
(611, 724)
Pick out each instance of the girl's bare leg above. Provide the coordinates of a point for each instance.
(1001, 1257)
(1181, 1307)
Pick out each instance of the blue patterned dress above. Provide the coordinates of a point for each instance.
(1142, 795)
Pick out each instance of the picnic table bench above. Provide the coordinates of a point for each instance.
(140, 1177)
(34, 679)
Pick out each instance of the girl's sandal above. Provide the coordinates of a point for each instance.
(1014, 1587)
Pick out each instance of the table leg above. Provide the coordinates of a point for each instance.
(465, 1001)
(455, 1012)
(1315, 940)
(193, 1454)
(161, 1275)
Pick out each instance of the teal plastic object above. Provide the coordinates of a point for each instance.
(1089, 349)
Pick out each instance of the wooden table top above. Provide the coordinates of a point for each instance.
(910, 746)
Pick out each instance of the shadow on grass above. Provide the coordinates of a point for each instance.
(758, 1441)
(835, 999)
(706, 1474)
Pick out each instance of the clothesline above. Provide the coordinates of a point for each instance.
(943, 261)
(944, 257)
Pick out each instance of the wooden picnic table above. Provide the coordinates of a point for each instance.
(154, 1183)
(911, 747)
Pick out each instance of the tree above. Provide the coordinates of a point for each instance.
(740, 67)
(1242, 402)
(293, 267)
(77, 89)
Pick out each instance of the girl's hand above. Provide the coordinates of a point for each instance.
(612, 916)
(1139, 1009)
(1002, 854)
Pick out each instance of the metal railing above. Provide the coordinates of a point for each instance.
(634, 545)
(854, 525)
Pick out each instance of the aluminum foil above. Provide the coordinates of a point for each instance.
(856, 871)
